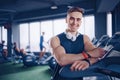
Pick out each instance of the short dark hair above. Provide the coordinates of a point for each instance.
(75, 9)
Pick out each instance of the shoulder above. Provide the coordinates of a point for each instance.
(58, 37)
(54, 42)
(86, 38)
(55, 38)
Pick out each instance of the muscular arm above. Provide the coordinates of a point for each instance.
(94, 52)
(60, 55)
(91, 49)
(63, 59)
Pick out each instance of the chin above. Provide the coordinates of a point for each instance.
(73, 30)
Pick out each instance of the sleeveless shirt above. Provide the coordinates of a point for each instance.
(70, 46)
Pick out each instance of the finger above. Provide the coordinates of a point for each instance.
(85, 67)
(80, 67)
(73, 66)
(77, 66)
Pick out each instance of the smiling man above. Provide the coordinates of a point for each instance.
(72, 47)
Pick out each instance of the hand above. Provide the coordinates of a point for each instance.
(79, 65)
(98, 52)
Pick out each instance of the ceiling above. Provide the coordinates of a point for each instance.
(28, 10)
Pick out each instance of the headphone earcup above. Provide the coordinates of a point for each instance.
(68, 35)
(73, 38)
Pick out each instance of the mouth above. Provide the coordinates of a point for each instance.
(74, 25)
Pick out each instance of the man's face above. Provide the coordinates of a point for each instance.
(74, 21)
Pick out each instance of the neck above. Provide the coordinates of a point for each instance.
(72, 32)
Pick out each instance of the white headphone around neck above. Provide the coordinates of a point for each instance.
(71, 37)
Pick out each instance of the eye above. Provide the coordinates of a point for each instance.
(72, 18)
(78, 19)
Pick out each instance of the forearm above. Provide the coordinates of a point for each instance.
(93, 60)
(69, 58)
(64, 58)
(96, 53)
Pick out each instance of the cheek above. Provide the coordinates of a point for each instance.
(70, 22)
(79, 23)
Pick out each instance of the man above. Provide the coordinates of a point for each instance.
(3, 50)
(41, 41)
(71, 47)
(42, 46)
(19, 52)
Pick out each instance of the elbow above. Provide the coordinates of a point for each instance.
(61, 64)
(62, 61)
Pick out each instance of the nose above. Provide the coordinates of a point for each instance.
(75, 21)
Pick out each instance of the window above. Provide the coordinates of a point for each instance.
(34, 36)
(109, 24)
(4, 35)
(47, 27)
(24, 38)
(88, 26)
(59, 26)
(0, 33)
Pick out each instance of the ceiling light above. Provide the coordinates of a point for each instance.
(69, 6)
(54, 7)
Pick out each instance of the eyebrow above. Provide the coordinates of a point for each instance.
(75, 18)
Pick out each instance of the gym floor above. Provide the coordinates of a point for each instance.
(10, 71)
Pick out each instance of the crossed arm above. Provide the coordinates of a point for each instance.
(75, 59)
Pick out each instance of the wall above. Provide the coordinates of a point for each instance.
(15, 33)
(116, 19)
(100, 24)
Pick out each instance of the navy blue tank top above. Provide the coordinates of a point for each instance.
(70, 46)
